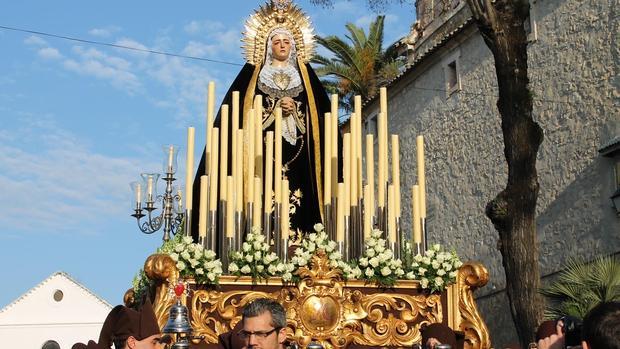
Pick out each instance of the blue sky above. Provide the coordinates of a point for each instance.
(78, 122)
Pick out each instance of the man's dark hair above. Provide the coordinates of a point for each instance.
(601, 326)
(262, 305)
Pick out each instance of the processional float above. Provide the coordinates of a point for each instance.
(321, 306)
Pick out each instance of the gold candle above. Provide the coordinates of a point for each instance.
(189, 165)
(340, 214)
(327, 176)
(421, 175)
(230, 207)
(277, 172)
(396, 174)
(416, 221)
(285, 210)
(223, 151)
(268, 171)
(213, 176)
(239, 174)
(202, 209)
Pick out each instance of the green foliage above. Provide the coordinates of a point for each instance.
(582, 285)
(360, 64)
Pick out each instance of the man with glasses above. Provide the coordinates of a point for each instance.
(262, 326)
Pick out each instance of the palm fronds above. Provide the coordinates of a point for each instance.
(582, 285)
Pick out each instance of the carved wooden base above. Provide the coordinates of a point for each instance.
(324, 308)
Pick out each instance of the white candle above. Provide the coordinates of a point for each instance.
(223, 151)
(210, 111)
(256, 214)
(230, 208)
(340, 213)
(268, 172)
(214, 174)
(391, 214)
(382, 164)
(334, 143)
(278, 160)
(149, 189)
(285, 210)
(258, 138)
(353, 159)
(170, 158)
(370, 174)
(416, 222)
(239, 174)
(202, 210)
(327, 176)
(250, 132)
(189, 166)
(421, 175)
(138, 189)
(396, 174)
(346, 164)
(234, 126)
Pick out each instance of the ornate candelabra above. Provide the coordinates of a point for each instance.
(146, 198)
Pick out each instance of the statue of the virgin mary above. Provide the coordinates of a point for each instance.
(278, 44)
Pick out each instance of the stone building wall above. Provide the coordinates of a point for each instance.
(574, 77)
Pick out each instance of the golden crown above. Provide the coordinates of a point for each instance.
(277, 14)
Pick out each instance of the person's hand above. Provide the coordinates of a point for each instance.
(288, 105)
(431, 343)
(555, 341)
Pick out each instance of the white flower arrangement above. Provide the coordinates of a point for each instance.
(319, 240)
(256, 261)
(378, 263)
(193, 261)
(436, 269)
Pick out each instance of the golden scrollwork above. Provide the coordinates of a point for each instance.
(162, 269)
(472, 276)
(324, 308)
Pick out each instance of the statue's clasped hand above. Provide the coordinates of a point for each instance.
(288, 105)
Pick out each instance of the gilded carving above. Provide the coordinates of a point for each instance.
(324, 308)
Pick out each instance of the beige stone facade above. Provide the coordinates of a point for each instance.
(574, 56)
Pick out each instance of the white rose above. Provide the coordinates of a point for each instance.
(272, 269)
(249, 258)
(185, 255)
(287, 276)
(298, 251)
(374, 262)
(371, 242)
(199, 271)
(209, 254)
(232, 268)
(187, 240)
(260, 238)
(452, 274)
(246, 247)
(318, 227)
(436, 247)
(435, 265)
(174, 256)
(364, 262)
(458, 264)
(180, 265)
(376, 233)
(410, 275)
(447, 266)
(441, 272)
(424, 283)
(421, 271)
(369, 272)
(418, 258)
(370, 252)
(311, 246)
(399, 272)
(429, 253)
(256, 245)
(438, 281)
(193, 263)
(312, 237)
(246, 269)
(211, 276)
(179, 248)
(260, 268)
(280, 267)
(426, 260)
(385, 271)
(257, 255)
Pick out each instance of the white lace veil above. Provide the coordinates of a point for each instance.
(292, 57)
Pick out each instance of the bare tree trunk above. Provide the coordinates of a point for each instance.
(513, 210)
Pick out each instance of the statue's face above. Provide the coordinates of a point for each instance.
(280, 47)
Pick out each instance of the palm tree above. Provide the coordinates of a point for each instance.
(358, 68)
(582, 285)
